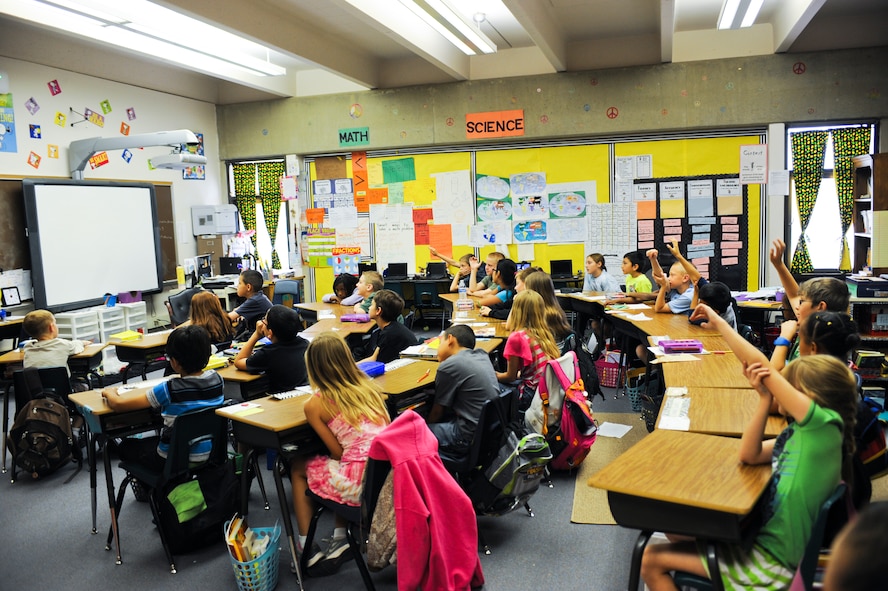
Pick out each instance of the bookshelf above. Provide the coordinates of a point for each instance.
(870, 246)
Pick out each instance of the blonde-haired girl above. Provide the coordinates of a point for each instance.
(347, 411)
(529, 347)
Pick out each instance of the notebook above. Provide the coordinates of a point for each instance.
(436, 270)
(562, 269)
(396, 271)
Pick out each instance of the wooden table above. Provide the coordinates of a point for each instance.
(11, 328)
(103, 422)
(251, 385)
(346, 329)
(725, 411)
(684, 483)
(311, 310)
(486, 344)
(714, 371)
(143, 351)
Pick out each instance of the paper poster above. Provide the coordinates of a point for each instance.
(535, 231)
(566, 231)
(489, 233)
(754, 164)
(645, 196)
(7, 124)
(358, 236)
(644, 166)
(527, 183)
(420, 191)
(394, 244)
(672, 199)
(493, 210)
(441, 239)
(343, 217)
(398, 171)
(345, 260)
(320, 246)
(567, 204)
(453, 198)
(530, 207)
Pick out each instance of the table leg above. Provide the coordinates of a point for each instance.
(91, 461)
(246, 465)
(5, 423)
(109, 482)
(285, 513)
(635, 565)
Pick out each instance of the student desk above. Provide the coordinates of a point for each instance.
(251, 385)
(104, 423)
(708, 494)
(346, 329)
(486, 344)
(311, 310)
(141, 351)
(81, 364)
(713, 370)
(725, 411)
(11, 328)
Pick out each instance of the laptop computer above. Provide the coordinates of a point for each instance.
(396, 271)
(561, 269)
(436, 270)
(366, 267)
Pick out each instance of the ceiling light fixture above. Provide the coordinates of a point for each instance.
(736, 14)
(444, 18)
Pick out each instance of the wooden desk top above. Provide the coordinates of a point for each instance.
(488, 345)
(714, 371)
(276, 415)
(230, 373)
(12, 321)
(725, 411)
(17, 355)
(689, 469)
(336, 325)
(761, 304)
(674, 325)
(91, 401)
(149, 341)
(337, 309)
(409, 378)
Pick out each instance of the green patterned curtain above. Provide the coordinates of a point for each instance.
(847, 143)
(245, 192)
(808, 148)
(270, 174)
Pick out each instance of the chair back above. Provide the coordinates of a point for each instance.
(493, 422)
(808, 566)
(179, 305)
(286, 289)
(189, 428)
(374, 477)
(33, 382)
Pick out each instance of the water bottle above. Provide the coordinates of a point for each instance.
(463, 303)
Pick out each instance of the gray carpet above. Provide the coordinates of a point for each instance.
(48, 545)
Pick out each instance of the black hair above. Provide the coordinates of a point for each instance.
(389, 303)
(716, 295)
(463, 334)
(347, 281)
(254, 278)
(284, 322)
(834, 333)
(190, 346)
(507, 269)
(636, 257)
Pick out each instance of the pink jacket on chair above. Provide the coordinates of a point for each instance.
(434, 519)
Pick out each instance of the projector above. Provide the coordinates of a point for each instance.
(178, 160)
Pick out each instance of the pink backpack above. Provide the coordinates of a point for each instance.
(573, 431)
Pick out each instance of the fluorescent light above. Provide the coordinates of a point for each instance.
(736, 14)
(145, 27)
(441, 29)
(432, 11)
(474, 35)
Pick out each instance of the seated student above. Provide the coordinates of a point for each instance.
(464, 382)
(393, 337)
(597, 277)
(504, 277)
(716, 294)
(345, 291)
(188, 349)
(529, 347)
(638, 286)
(482, 286)
(368, 286)
(206, 311)
(820, 293)
(676, 291)
(556, 319)
(467, 268)
(464, 275)
(856, 560)
(48, 350)
(808, 460)
(501, 310)
(283, 361)
(249, 286)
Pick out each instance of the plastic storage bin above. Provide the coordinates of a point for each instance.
(111, 321)
(82, 325)
(135, 316)
(259, 574)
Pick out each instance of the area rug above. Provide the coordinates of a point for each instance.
(590, 504)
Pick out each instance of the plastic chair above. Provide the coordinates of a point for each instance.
(179, 305)
(804, 578)
(358, 518)
(188, 427)
(287, 289)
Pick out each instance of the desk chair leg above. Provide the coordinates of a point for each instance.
(254, 461)
(106, 460)
(635, 565)
(482, 543)
(528, 509)
(356, 552)
(712, 560)
(91, 464)
(286, 514)
(5, 423)
(118, 504)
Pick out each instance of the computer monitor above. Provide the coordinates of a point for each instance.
(562, 269)
(436, 270)
(230, 265)
(366, 267)
(204, 266)
(396, 271)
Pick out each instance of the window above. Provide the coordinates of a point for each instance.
(824, 233)
(263, 239)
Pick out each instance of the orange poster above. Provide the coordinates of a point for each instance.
(494, 124)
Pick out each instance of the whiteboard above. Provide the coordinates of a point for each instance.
(90, 238)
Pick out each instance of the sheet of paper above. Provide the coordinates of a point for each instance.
(675, 357)
(674, 423)
(616, 430)
(326, 314)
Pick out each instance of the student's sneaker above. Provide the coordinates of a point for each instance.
(316, 556)
(336, 554)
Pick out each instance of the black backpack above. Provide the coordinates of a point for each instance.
(587, 364)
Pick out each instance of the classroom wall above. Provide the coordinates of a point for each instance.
(730, 93)
(154, 111)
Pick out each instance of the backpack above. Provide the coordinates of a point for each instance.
(562, 414)
(869, 435)
(512, 477)
(41, 439)
(587, 364)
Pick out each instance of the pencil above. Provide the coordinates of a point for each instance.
(424, 376)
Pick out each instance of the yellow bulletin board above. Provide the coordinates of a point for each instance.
(671, 159)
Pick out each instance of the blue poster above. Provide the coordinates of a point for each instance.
(7, 124)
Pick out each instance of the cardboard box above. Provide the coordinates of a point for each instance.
(867, 287)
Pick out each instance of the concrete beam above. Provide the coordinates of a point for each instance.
(543, 30)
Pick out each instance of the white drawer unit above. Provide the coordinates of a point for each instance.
(135, 316)
(81, 324)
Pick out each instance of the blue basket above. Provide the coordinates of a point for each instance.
(635, 386)
(259, 574)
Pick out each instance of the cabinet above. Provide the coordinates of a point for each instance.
(870, 221)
